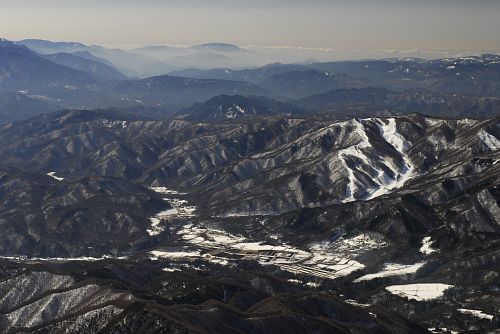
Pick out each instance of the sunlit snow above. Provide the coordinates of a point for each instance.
(427, 246)
(385, 183)
(489, 140)
(476, 313)
(325, 260)
(180, 209)
(393, 269)
(53, 175)
(419, 291)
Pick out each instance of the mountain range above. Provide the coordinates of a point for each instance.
(417, 192)
(325, 197)
(265, 166)
(84, 80)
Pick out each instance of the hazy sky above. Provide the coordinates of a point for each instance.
(341, 24)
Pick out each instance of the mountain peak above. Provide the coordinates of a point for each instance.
(221, 47)
(5, 42)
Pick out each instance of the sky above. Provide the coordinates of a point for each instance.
(453, 25)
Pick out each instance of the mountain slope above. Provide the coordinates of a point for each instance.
(89, 56)
(73, 219)
(124, 297)
(15, 106)
(22, 69)
(95, 68)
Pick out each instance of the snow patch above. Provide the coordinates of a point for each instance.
(313, 285)
(217, 260)
(240, 109)
(61, 259)
(387, 184)
(166, 191)
(477, 313)
(427, 246)
(156, 229)
(419, 291)
(180, 209)
(391, 135)
(489, 140)
(393, 269)
(113, 124)
(323, 260)
(53, 175)
(173, 255)
(442, 330)
(355, 151)
(384, 183)
(247, 214)
(356, 303)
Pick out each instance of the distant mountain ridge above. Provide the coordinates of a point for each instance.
(236, 107)
(178, 92)
(44, 46)
(336, 102)
(148, 60)
(221, 47)
(477, 75)
(82, 80)
(296, 84)
(96, 85)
